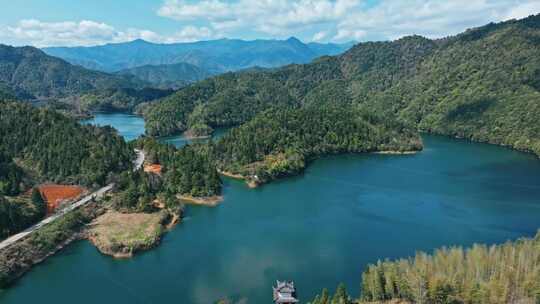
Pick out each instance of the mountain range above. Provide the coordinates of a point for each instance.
(204, 57)
(482, 85)
(173, 76)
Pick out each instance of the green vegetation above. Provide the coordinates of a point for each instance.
(116, 99)
(507, 273)
(30, 74)
(58, 149)
(40, 145)
(16, 214)
(189, 170)
(167, 76)
(39, 204)
(48, 238)
(481, 85)
(11, 177)
(340, 297)
(279, 142)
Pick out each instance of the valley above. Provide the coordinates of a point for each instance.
(344, 210)
(398, 171)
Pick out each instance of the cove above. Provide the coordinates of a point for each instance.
(132, 126)
(317, 229)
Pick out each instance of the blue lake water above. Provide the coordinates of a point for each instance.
(317, 229)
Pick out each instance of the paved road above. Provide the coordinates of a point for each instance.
(85, 200)
(137, 164)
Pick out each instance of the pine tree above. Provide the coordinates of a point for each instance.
(38, 202)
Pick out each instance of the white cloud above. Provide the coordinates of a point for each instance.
(524, 10)
(319, 36)
(70, 33)
(275, 17)
(344, 20)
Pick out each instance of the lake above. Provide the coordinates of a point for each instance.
(317, 229)
(132, 126)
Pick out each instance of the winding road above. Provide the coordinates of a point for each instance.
(96, 195)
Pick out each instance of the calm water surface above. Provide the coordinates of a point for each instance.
(132, 126)
(318, 229)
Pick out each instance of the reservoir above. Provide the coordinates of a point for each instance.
(318, 229)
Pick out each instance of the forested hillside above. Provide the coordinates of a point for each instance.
(168, 76)
(499, 274)
(189, 170)
(31, 74)
(116, 99)
(55, 148)
(481, 85)
(280, 142)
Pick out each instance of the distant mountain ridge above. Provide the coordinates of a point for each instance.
(482, 84)
(213, 56)
(168, 75)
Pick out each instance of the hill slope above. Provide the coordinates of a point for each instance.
(30, 74)
(482, 85)
(167, 75)
(55, 148)
(215, 56)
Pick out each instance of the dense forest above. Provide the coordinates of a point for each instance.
(189, 170)
(186, 171)
(115, 99)
(55, 148)
(481, 85)
(11, 176)
(280, 141)
(16, 214)
(168, 76)
(498, 274)
(40, 145)
(31, 74)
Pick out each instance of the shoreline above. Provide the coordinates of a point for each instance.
(391, 152)
(209, 201)
(119, 235)
(249, 182)
(187, 135)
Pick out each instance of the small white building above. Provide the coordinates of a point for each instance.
(284, 293)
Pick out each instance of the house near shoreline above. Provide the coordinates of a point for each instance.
(284, 293)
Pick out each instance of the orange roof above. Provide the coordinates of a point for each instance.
(154, 168)
(55, 194)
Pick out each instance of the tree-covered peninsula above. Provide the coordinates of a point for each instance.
(481, 85)
(281, 141)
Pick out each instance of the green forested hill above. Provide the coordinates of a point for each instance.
(279, 142)
(116, 99)
(498, 274)
(30, 74)
(166, 76)
(55, 148)
(481, 84)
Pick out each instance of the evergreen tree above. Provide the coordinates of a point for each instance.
(38, 202)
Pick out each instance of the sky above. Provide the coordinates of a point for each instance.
(45, 23)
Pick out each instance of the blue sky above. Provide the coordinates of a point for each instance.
(91, 22)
